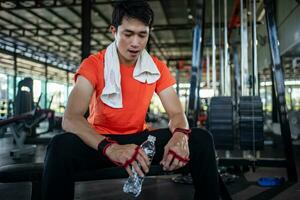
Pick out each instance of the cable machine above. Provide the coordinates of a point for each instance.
(249, 108)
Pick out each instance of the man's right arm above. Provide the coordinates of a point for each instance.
(74, 122)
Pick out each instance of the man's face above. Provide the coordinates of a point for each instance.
(131, 38)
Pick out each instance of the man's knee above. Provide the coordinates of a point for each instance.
(201, 137)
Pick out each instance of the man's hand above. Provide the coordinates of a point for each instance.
(177, 146)
(123, 153)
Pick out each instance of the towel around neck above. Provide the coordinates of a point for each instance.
(145, 71)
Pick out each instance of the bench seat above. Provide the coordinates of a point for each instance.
(32, 172)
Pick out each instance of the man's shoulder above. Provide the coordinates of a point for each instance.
(158, 62)
(96, 59)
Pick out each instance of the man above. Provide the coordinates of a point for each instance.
(117, 85)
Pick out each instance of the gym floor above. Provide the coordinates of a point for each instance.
(160, 187)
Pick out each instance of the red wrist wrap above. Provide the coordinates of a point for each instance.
(102, 147)
(182, 130)
(104, 144)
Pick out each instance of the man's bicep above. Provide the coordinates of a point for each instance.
(80, 96)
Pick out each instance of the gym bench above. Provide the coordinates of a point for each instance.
(32, 172)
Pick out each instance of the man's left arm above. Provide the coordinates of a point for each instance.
(176, 152)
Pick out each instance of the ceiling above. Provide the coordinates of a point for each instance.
(49, 31)
(52, 29)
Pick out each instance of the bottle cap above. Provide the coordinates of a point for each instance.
(151, 138)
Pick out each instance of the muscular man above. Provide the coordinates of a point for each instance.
(117, 85)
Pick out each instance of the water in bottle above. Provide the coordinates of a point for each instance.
(133, 184)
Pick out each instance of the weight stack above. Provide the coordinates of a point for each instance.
(221, 122)
(251, 123)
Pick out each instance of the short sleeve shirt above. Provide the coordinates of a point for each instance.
(136, 96)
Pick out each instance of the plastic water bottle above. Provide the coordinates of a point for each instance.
(133, 184)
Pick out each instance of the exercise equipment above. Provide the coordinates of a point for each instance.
(24, 98)
(227, 75)
(27, 116)
(18, 126)
(32, 172)
(21, 123)
(196, 73)
(244, 48)
(280, 91)
(251, 123)
(213, 32)
(221, 122)
(194, 98)
(288, 161)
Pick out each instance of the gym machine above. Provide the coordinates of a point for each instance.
(196, 73)
(249, 108)
(25, 120)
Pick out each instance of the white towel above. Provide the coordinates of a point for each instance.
(144, 71)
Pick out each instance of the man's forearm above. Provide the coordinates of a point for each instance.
(80, 126)
(178, 121)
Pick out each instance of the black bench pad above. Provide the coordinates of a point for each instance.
(21, 172)
(30, 172)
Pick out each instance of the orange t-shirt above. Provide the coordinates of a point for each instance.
(136, 96)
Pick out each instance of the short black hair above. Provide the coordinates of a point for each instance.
(137, 9)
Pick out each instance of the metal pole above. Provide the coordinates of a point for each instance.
(290, 90)
(226, 60)
(186, 106)
(86, 25)
(7, 94)
(214, 78)
(254, 52)
(280, 90)
(222, 83)
(237, 78)
(196, 63)
(46, 84)
(274, 101)
(68, 79)
(265, 94)
(258, 83)
(15, 74)
(244, 49)
(207, 68)
(86, 28)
